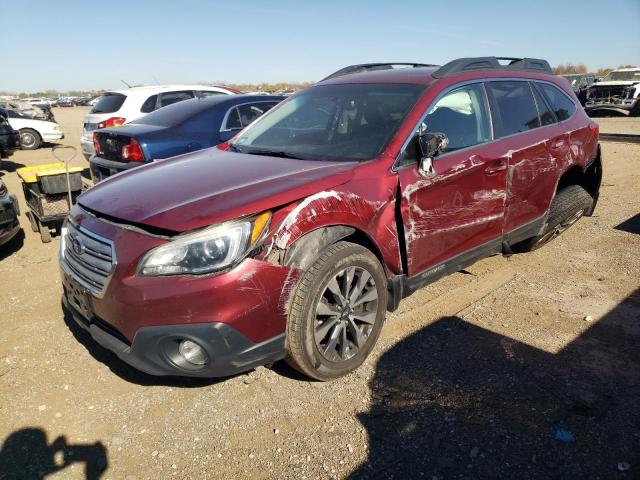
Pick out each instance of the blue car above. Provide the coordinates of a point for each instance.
(175, 129)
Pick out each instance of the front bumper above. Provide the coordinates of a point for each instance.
(625, 107)
(9, 224)
(237, 316)
(52, 136)
(102, 168)
(154, 349)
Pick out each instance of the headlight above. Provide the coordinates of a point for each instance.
(56, 128)
(209, 250)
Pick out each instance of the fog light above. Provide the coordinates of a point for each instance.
(192, 352)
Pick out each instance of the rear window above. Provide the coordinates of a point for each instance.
(178, 113)
(109, 103)
(516, 107)
(563, 107)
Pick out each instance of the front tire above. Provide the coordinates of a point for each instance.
(29, 139)
(567, 207)
(337, 312)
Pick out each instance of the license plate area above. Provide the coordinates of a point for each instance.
(78, 297)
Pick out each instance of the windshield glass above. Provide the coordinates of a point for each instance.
(633, 75)
(351, 122)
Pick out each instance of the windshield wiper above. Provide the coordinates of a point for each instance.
(276, 153)
(233, 148)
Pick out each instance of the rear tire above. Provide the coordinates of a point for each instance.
(29, 139)
(337, 312)
(567, 207)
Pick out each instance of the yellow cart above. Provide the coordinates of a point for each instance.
(50, 190)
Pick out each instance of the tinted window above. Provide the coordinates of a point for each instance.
(149, 104)
(243, 115)
(560, 103)
(333, 122)
(175, 97)
(109, 103)
(546, 117)
(516, 108)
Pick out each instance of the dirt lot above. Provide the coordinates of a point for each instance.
(474, 376)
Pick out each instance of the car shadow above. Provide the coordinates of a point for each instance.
(631, 225)
(25, 454)
(12, 246)
(457, 400)
(124, 370)
(9, 165)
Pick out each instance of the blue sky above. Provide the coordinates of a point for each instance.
(68, 44)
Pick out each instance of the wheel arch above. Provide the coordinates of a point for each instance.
(588, 177)
(305, 249)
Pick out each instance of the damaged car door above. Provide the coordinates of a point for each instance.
(455, 208)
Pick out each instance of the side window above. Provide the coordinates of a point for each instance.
(461, 115)
(149, 104)
(175, 97)
(516, 107)
(233, 120)
(561, 104)
(248, 113)
(242, 115)
(546, 117)
(208, 93)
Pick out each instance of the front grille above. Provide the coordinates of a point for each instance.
(111, 145)
(89, 257)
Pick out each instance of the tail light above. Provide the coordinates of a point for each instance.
(594, 128)
(96, 144)
(112, 122)
(133, 151)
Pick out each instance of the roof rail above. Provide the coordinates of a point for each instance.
(367, 67)
(492, 63)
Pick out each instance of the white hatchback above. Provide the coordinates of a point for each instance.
(118, 107)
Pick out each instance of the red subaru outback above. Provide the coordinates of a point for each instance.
(294, 239)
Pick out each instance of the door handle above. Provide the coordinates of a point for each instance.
(496, 166)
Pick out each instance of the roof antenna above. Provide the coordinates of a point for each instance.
(155, 80)
(128, 86)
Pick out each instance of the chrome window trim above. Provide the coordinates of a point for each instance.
(397, 167)
(63, 261)
(226, 115)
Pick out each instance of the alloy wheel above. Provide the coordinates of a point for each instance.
(345, 314)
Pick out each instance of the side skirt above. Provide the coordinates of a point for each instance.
(401, 286)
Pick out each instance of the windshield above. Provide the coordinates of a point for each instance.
(352, 122)
(633, 75)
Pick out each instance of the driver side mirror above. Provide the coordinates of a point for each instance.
(430, 145)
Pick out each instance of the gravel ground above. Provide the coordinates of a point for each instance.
(474, 376)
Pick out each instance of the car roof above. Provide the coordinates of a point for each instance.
(628, 69)
(417, 75)
(162, 88)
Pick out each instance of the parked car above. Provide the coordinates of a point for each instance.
(118, 107)
(580, 83)
(173, 130)
(618, 92)
(65, 102)
(28, 110)
(293, 239)
(9, 211)
(9, 138)
(34, 132)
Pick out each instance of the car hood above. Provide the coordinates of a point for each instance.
(209, 186)
(616, 83)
